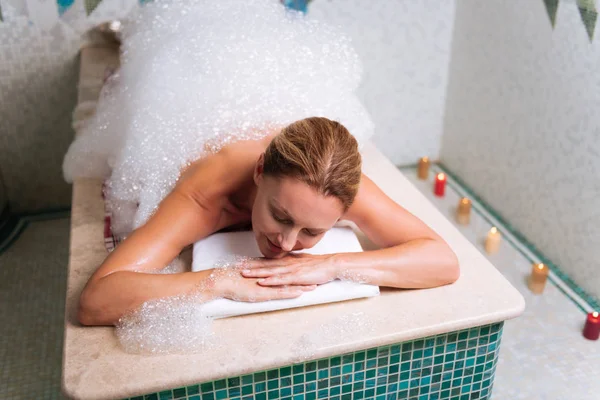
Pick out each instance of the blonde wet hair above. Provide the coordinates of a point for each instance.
(319, 152)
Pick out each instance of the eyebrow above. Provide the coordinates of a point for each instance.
(278, 208)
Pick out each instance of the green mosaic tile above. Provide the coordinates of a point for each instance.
(165, 395)
(454, 365)
(287, 381)
(260, 387)
(310, 386)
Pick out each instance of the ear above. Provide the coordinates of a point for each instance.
(259, 168)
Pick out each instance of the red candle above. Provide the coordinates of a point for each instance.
(440, 184)
(592, 326)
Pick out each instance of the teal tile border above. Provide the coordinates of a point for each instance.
(12, 225)
(458, 365)
(456, 181)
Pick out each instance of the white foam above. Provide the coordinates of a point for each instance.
(204, 70)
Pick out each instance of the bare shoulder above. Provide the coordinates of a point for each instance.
(221, 173)
(368, 192)
(383, 220)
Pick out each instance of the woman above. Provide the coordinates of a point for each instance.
(292, 186)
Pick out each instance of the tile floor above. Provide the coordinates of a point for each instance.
(543, 354)
(33, 277)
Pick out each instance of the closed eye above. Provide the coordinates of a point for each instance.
(282, 220)
(313, 234)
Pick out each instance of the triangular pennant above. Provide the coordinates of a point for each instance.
(90, 5)
(589, 15)
(298, 5)
(63, 5)
(551, 8)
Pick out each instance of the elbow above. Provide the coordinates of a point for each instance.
(89, 310)
(85, 313)
(451, 267)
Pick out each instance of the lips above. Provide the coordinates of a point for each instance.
(273, 247)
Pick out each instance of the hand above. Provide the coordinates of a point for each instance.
(293, 269)
(230, 284)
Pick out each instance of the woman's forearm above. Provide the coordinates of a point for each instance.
(420, 263)
(105, 300)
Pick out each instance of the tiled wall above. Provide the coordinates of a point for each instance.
(458, 365)
(405, 50)
(522, 125)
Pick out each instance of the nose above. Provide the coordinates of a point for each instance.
(287, 240)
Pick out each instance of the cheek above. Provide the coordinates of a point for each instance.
(262, 222)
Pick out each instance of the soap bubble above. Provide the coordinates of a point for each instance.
(197, 75)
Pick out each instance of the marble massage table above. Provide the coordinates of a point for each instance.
(424, 344)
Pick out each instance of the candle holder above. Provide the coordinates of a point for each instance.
(439, 187)
(463, 212)
(423, 168)
(538, 278)
(493, 240)
(591, 331)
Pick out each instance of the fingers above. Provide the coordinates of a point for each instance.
(264, 272)
(283, 292)
(280, 280)
(278, 293)
(260, 263)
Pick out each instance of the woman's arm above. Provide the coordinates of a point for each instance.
(125, 279)
(411, 254)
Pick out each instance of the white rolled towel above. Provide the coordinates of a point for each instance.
(209, 251)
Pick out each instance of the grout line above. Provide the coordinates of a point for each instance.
(554, 278)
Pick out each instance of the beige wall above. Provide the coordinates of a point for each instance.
(522, 124)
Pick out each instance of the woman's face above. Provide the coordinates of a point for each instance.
(290, 215)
